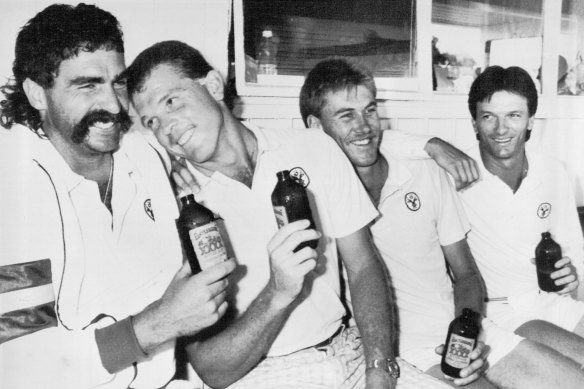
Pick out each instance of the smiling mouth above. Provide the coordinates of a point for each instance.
(102, 125)
(502, 141)
(185, 137)
(362, 142)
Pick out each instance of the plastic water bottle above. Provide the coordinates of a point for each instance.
(267, 52)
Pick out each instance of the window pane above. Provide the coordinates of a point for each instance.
(379, 33)
(570, 60)
(471, 35)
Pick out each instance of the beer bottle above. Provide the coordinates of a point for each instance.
(199, 235)
(290, 203)
(547, 253)
(460, 341)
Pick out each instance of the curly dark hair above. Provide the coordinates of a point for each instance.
(55, 34)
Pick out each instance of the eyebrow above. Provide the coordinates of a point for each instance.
(86, 80)
(343, 110)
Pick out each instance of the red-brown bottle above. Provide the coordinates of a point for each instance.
(547, 253)
(290, 203)
(460, 341)
(199, 235)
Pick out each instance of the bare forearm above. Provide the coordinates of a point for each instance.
(469, 292)
(226, 356)
(374, 311)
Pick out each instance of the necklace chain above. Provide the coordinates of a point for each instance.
(109, 180)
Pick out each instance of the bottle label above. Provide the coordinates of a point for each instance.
(208, 245)
(281, 215)
(458, 352)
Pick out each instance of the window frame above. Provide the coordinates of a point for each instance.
(420, 87)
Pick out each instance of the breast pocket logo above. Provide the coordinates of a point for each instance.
(299, 175)
(148, 209)
(544, 210)
(412, 201)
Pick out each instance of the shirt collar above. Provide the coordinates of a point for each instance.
(47, 155)
(398, 173)
(264, 144)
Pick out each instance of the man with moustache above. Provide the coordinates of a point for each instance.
(93, 293)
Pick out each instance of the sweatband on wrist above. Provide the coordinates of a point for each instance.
(118, 346)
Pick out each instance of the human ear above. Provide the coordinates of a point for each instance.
(476, 131)
(35, 94)
(313, 122)
(214, 84)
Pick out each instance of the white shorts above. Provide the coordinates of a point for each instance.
(561, 310)
(418, 349)
(504, 317)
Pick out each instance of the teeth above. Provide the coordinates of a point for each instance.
(102, 125)
(505, 140)
(362, 142)
(184, 138)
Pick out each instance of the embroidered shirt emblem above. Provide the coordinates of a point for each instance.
(148, 209)
(412, 201)
(544, 210)
(299, 175)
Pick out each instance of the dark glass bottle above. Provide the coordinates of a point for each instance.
(547, 253)
(460, 341)
(199, 235)
(290, 202)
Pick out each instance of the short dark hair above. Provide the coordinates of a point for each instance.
(182, 57)
(495, 79)
(331, 75)
(55, 34)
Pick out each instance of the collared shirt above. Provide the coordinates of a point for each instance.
(340, 206)
(420, 212)
(507, 226)
(102, 268)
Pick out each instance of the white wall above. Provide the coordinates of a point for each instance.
(204, 24)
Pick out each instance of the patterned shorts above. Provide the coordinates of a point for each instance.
(338, 365)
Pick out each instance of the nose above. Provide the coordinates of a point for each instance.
(501, 126)
(362, 125)
(112, 100)
(166, 124)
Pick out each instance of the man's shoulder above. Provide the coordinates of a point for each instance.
(308, 135)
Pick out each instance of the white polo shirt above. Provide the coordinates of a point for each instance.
(507, 226)
(340, 206)
(419, 213)
(102, 267)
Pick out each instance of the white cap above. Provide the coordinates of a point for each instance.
(267, 33)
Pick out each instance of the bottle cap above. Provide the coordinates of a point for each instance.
(267, 33)
(546, 234)
(189, 198)
(283, 174)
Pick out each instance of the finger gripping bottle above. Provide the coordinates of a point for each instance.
(547, 253)
(460, 341)
(199, 235)
(290, 203)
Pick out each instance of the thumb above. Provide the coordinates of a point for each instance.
(184, 271)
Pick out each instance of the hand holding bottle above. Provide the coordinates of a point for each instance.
(565, 276)
(288, 268)
(190, 304)
(477, 366)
